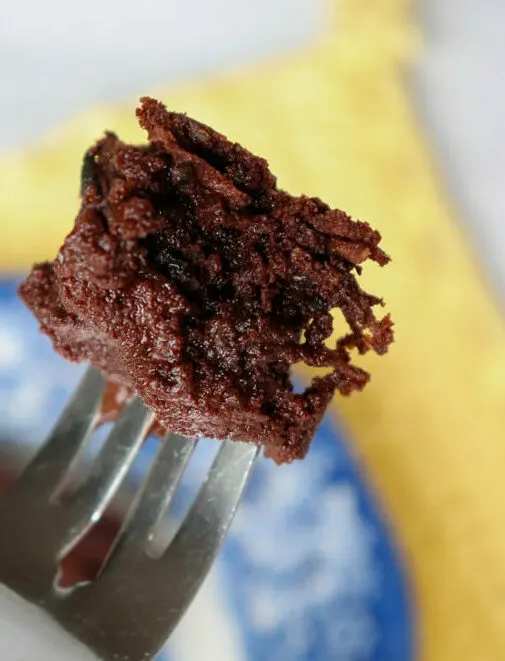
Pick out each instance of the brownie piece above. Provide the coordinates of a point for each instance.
(192, 280)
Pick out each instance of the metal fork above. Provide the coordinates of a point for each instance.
(129, 611)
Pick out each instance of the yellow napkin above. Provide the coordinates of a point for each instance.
(336, 121)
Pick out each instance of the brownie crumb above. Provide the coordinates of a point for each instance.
(191, 279)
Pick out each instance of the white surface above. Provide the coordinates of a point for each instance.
(459, 87)
(57, 57)
(30, 635)
(207, 633)
(46, 640)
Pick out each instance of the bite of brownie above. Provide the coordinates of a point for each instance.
(190, 279)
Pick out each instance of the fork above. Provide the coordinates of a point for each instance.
(128, 612)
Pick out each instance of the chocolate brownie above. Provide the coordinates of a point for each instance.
(192, 280)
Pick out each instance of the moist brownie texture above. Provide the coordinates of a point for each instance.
(192, 280)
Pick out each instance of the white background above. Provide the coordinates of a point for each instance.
(460, 90)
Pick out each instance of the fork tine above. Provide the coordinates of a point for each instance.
(156, 493)
(160, 486)
(199, 538)
(109, 468)
(68, 437)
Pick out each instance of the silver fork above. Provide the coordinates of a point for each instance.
(130, 610)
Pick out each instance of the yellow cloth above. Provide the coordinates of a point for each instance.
(336, 121)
